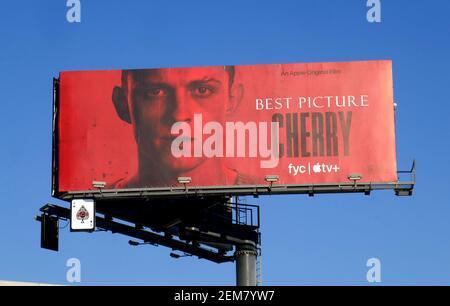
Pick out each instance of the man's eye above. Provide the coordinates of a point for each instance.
(155, 92)
(202, 91)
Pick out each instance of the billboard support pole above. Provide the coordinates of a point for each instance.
(246, 256)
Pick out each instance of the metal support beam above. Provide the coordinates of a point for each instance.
(246, 256)
(144, 235)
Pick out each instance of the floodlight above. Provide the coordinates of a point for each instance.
(184, 180)
(403, 192)
(98, 184)
(133, 243)
(272, 178)
(354, 176)
(176, 256)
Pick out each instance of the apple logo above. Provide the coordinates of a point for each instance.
(317, 168)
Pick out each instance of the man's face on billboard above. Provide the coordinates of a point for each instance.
(161, 97)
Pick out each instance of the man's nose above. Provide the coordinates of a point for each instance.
(182, 107)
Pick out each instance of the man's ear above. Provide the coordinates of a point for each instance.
(120, 101)
(236, 95)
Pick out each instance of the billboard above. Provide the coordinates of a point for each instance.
(225, 126)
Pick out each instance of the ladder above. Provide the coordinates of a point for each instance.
(259, 268)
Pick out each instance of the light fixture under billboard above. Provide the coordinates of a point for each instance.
(354, 177)
(184, 180)
(97, 184)
(272, 178)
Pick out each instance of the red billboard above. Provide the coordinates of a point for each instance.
(226, 126)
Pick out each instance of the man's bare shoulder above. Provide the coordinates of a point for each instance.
(242, 178)
(123, 183)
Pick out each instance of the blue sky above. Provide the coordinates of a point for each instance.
(321, 240)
